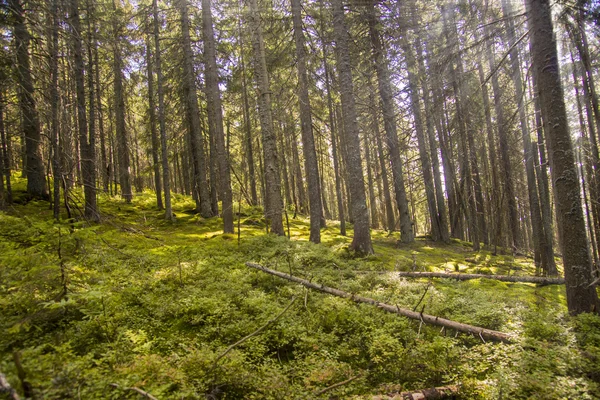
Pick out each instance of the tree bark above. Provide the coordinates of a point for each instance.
(34, 167)
(361, 242)
(273, 203)
(215, 117)
(161, 114)
(86, 142)
(465, 277)
(581, 295)
(119, 99)
(200, 184)
(153, 128)
(308, 142)
(389, 122)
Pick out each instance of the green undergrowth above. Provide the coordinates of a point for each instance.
(154, 305)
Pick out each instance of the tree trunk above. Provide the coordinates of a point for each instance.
(54, 96)
(161, 115)
(153, 128)
(361, 242)
(247, 125)
(413, 85)
(86, 142)
(215, 117)
(120, 131)
(34, 167)
(539, 241)
(200, 184)
(433, 148)
(389, 122)
(308, 141)
(273, 203)
(581, 295)
(334, 149)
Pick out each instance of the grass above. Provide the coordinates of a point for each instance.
(152, 304)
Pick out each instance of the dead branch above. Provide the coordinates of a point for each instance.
(426, 318)
(5, 388)
(337, 385)
(542, 280)
(445, 392)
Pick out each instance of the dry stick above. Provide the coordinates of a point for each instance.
(136, 389)
(426, 318)
(505, 278)
(337, 385)
(256, 332)
(5, 388)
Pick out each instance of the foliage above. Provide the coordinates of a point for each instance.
(151, 304)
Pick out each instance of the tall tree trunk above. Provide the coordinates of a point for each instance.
(468, 161)
(308, 141)
(247, 125)
(508, 183)
(86, 151)
(200, 184)
(120, 130)
(581, 294)
(273, 203)
(153, 128)
(361, 242)
(34, 167)
(54, 97)
(389, 122)
(412, 71)
(161, 115)
(433, 148)
(215, 117)
(539, 238)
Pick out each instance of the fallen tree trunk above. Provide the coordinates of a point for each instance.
(542, 280)
(425, 318)
(445, 392)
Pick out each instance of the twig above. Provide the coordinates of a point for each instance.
(422, 297)
(337, 385)
(256, 332)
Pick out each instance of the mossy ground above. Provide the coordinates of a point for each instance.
(152, 304)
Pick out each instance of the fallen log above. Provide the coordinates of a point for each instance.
(425, 318)
(445, 392)
(542, 280)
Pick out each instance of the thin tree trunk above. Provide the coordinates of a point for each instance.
(308, 141)
(54, 96)
(153, 127)
(120, 130)
(361, 242)
(200, 184)
(273, 203)
(215, 117)
(86, 151)
(161, 115)
(389, 119)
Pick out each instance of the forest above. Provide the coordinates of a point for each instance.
(299, 199)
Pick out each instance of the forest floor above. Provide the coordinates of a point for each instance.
(154, 305)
